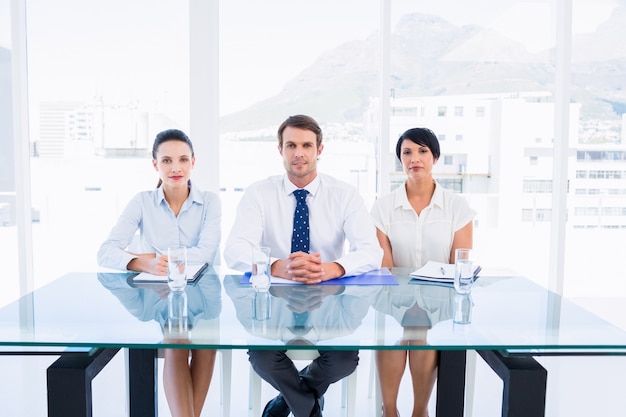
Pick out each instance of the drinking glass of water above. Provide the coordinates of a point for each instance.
(177, 267)
(463, 271)
(260, 278)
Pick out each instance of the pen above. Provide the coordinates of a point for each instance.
(158, 251)
(443, 271)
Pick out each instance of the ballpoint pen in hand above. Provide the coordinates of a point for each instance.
(158, 251)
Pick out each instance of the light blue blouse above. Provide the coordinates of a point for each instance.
(198, 227)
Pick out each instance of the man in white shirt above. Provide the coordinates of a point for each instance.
(335, 213)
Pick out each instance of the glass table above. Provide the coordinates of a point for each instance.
(87, 317)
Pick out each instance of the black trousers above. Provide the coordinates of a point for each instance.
(301, 388)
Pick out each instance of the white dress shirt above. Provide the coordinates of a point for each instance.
(197, 226)
(335, 316)
(336, 214)
(415, 239)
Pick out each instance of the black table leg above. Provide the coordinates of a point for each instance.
(143, 382)
(451, 383)
(525, 380)
(69, 382)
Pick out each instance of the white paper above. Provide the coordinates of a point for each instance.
(192, 270)
(437, 271)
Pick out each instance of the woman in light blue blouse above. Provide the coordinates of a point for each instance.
(176, 213)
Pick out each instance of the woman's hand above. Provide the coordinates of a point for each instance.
(152, 263)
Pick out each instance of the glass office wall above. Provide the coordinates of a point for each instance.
(481, 75)
(597, 180)
(279, 58)
(482, 78)
(104, 78)
(8, 227)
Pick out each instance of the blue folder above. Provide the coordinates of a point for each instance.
(376, 277)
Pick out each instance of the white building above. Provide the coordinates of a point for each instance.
(63, 126)
(503, 162)
(598, 189)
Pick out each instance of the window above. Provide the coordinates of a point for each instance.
(495, 98)
(613, 211)
(537, 186)
(319, 78)
(587, 211)
(8, 194)
(125, 100)
(447, 159)
(601, 155)
(455, 185)
(99, 94)
(544, 215)
(404, 111)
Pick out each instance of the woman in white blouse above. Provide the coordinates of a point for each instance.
(176, 213)
(417, 222)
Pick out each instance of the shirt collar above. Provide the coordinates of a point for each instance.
(311, 187)
(437, 199)
(160, 195)
(401, 199)
(195, 196)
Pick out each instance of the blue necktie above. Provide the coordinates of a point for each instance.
(300, 236)
(299, 327)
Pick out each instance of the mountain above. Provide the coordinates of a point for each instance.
(431, 56)
(599, 68)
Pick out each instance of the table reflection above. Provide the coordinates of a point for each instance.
(417, 308)
(178, 312)
(301, 314)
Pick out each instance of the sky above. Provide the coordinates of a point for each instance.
(79, 48)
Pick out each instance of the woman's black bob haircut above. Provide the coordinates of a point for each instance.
(420, 136)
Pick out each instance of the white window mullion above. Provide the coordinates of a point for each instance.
(204, 90)
(385, 162)
(561, 143)
(21, 145)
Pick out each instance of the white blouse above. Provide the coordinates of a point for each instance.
(415, 239)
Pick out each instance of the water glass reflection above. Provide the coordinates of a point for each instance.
(463, 308)
(262, 304)
(177, 316)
